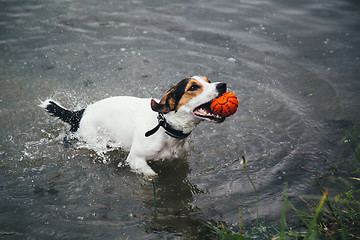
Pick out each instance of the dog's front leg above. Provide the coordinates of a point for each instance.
(143, 149)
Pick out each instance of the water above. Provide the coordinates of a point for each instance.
(293, 65)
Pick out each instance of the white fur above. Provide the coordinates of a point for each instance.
(122, 122)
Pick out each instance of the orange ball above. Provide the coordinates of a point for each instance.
(225, 105)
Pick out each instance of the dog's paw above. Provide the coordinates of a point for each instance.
(150, 178)
(145, 170)
(148, 172)
(140, 166)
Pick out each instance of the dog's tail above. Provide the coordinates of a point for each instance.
(56, 110)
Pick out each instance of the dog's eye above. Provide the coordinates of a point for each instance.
(194, 87)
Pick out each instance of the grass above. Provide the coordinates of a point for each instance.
(325, 217)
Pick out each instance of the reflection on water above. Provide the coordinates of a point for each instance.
(293, 65)
(173, 209)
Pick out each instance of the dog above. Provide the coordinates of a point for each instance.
(149, 129)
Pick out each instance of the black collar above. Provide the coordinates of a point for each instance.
(168, 129)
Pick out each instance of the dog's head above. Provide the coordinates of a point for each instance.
(193, 96)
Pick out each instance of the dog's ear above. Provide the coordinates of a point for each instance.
(166, 104)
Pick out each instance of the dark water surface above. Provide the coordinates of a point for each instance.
(294, 65)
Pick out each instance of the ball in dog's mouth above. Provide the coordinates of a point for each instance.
(218, 109)
(224, 105)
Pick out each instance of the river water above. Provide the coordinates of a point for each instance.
(294, 65)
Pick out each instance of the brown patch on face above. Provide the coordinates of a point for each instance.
(179, 95)
(205, 79)
(192, 89)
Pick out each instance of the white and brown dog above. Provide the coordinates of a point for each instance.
(148, 128)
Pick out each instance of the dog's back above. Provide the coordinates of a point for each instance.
(109, 122)
(117, 119)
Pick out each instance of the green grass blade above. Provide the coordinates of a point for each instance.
(313, 224)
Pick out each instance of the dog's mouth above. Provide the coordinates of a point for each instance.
(204, 112)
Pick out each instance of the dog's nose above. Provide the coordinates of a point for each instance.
(221, 87)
